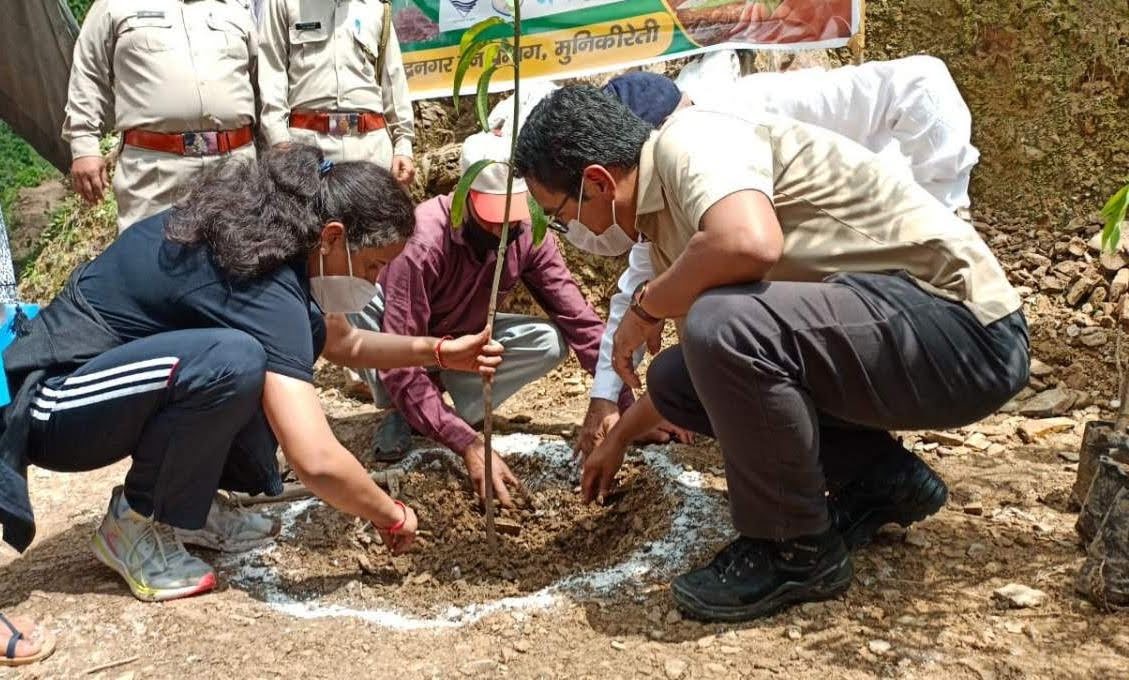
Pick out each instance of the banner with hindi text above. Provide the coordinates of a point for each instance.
(571, 38)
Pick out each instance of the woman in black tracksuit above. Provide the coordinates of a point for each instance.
(189, 345)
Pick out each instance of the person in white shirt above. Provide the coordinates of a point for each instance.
(909, 111)
(906, 110)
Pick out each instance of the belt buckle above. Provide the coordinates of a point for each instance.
(201, 143)
(343, 124)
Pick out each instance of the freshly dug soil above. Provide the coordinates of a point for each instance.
(340, 560)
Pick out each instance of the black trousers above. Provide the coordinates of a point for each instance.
(800, 383)
(186, 405)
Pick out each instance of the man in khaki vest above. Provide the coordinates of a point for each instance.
(319, 83)
(176, 78)
(822, 301)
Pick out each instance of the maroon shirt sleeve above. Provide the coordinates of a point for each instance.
(406, 312)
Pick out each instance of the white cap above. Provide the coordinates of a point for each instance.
(532, 92)
(488, 192)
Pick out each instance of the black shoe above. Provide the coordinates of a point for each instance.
(392, 439)
(751, 578)
(901, 489)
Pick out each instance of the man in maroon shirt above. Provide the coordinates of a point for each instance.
(440, 285)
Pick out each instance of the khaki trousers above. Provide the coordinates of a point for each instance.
(148, 182)
(375, 146)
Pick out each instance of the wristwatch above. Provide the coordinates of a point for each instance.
(637, 304)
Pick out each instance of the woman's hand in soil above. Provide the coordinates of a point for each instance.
(405, 536)
(473, 353)
(475, 458)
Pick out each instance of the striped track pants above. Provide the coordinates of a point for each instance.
(185, 405)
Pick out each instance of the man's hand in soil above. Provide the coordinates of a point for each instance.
(475, 458)
(641, 422)
(473, 353)
(90, 177)
(602, 417)
(665, 433)
(600, 467)
(406, 535)
(403, 169)
(598, 422)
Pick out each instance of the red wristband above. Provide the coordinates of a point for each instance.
(438, 356)
(399, 525)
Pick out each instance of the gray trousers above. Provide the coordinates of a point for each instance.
(533, 347)
(799, 381)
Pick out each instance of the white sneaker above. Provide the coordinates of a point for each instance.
(231, 528)
(147, 555)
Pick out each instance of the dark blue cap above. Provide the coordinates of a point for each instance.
(650, 96)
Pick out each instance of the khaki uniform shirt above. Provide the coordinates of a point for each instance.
(839, 208)
(311, 60)
(161, 65)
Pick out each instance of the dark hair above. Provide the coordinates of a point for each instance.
(256, 215)
(573, 128)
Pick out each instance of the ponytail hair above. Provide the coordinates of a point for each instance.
(256, 215)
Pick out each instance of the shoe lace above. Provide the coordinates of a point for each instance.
(232, 507)
(738, 558)
(235, 517)
(156, 534)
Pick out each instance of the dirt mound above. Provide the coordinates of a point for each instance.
(339, 560)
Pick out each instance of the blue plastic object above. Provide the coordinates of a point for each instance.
(8, 333)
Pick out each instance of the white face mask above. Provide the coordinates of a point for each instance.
(340, 294)
(611, 243)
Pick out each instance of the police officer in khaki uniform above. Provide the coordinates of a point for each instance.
(177, 79)
(319, 85)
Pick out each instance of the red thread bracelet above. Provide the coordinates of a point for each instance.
(395, 528)
(438, 356)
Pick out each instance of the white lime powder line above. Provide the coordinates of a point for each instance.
(693, 527)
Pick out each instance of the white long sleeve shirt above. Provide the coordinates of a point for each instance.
(904, 108)
(607, 384)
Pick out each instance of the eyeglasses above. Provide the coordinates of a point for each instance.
(555, 222)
